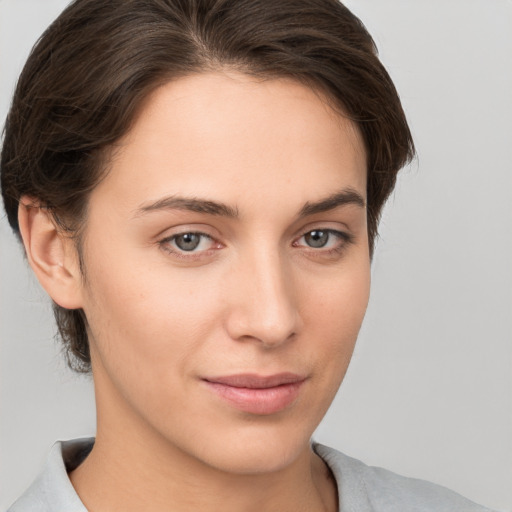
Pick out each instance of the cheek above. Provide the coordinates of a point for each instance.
(335, 312)
(341, 300)
(147, 317)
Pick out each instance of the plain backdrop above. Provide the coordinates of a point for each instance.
(429, 390)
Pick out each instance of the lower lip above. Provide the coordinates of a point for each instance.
(258, 400)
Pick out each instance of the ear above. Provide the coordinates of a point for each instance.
(51, 254)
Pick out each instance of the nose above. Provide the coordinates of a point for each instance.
(264, 303)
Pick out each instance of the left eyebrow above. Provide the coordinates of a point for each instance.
(345, 197)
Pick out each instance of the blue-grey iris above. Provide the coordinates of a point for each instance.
(187, 241)
(317, 239)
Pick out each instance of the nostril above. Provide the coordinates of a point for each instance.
(277, 340)
(270, 326)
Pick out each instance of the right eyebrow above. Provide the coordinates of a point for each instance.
(191, 204)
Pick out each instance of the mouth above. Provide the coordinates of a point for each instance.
(257, 394)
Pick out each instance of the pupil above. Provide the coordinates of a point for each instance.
(317, 238)
(188, 241)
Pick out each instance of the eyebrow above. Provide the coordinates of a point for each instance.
(345, 197)
(189, 204)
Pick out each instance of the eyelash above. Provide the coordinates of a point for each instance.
(344, 238)
(165, 245)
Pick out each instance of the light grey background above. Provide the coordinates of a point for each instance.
(429, 391)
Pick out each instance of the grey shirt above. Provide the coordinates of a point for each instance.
(361, 488)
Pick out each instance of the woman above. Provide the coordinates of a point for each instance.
(197, 186)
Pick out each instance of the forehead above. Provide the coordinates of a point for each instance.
(234, 137)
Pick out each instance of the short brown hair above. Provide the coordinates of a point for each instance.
(90, 71)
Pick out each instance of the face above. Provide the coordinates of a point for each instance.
(227, 270)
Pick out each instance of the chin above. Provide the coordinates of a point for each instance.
(255, 450)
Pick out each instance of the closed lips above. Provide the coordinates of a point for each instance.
(252, 381)
(255, 394)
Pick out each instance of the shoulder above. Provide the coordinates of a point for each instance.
(52, 491)
(365, 488)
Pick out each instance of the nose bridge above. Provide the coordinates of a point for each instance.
(266, 306)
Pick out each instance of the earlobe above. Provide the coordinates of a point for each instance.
(51, 254)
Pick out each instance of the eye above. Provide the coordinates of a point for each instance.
(189, 242)
(327, 239)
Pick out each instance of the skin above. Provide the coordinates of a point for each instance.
(253, 297)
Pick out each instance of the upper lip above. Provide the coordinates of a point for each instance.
(254, 381)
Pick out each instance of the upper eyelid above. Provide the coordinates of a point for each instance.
(174, 231)
(187, 232)
(333, 230)
(324, 224)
